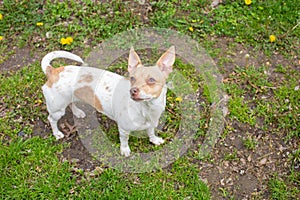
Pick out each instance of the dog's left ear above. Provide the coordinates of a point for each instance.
(166, 61)
(133, 61)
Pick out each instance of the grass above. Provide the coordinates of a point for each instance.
(22, 100)
(250, 143)
(231, 156)
(251, 86)
(280, 190)
(32, 168)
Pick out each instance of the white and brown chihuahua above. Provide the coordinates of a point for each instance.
(135, 103)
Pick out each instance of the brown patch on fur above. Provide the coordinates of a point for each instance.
(87, 78)
(153, 90)
(86, 94)
(53, 75)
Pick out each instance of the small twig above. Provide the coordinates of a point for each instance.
(171, 111)
(68, 129)
(266, 155)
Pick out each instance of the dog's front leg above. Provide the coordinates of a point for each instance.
(153, 138)
(124, 136)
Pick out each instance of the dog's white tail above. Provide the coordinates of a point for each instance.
(58, 54)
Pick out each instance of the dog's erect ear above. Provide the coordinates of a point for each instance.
(166, 61)
(133, 60)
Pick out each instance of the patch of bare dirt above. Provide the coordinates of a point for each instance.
(20, 58)
(236, 54)
(74, 152)
(244, 173)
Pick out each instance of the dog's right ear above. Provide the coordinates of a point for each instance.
(133, 60)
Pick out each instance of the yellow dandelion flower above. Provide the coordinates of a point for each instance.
(272, 38)
(39, 101)
(67, 40)
(179, 99)
(63, 41)
(39, 23)
(248, 2)
(194, 20)
(1, 38)
(1, 16)
(191, 29)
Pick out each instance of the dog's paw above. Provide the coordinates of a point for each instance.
(157, 140)
(125, 151)
(58, 135)
(79, 113)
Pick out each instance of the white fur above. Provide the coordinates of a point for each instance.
(58, 54)
(113, 92)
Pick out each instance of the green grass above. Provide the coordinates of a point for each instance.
(279, 110)
(259, 20)
(63, 19)
(231, 156)
(251, 24)
(250, 143)
(21, 99)
(31, 168)
(280, 190)
(240, 110)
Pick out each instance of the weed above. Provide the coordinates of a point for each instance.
(240, 110)
(231, 156)
(295, 157)
(225, 193)
(250, 143)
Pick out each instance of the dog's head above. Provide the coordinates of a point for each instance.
(148, 82)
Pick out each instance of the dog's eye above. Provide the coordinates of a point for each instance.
(132, 79)
(151, 81)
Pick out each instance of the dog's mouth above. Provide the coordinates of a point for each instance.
(139, 95)
(140, 99)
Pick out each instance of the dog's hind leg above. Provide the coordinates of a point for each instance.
(76, 111)
(56, 106)
(53, 119)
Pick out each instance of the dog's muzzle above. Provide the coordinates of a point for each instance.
(135, 94)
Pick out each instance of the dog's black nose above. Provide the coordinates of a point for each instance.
(134, 91)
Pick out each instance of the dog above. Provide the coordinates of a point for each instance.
(135, 103)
